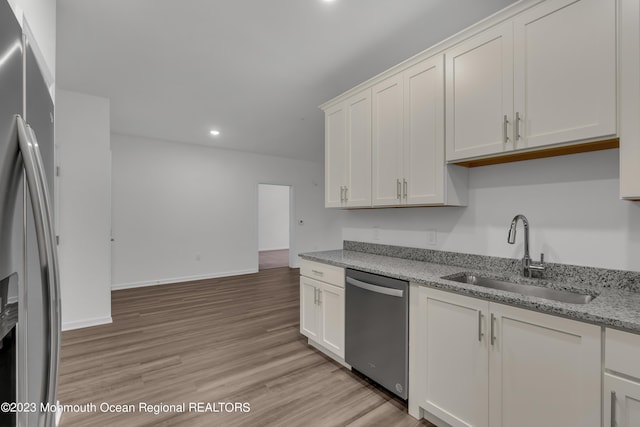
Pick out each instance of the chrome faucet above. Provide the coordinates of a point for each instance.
(528, 267)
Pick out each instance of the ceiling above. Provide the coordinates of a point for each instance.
(254, 69)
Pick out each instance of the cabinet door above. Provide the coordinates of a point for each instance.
(479, 94)
(335, 146)
(309, 320)
(387, 142)
(623, 396)
(565, 72)
(629, 66)
(545, 370)
(423, 150)
(453, 368)
(332, 317)
(359, 150)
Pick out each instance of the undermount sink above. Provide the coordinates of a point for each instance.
(530, 290)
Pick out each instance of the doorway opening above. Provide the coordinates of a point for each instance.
(273, 226)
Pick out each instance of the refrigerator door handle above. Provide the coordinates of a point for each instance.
(39, 195)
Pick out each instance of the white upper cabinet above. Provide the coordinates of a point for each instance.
(538, 79)
(385, 145)
(348, 152)
(427, 180)
(545, 77)
(408, 140)
(358, 186)
(387, 141)
(335, 150)
(480, 94)
(565, 72)
(629, 39)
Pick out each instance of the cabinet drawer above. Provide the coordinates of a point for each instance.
(324, 272)
(622, 352)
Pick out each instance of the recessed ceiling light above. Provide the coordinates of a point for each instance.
(215, 132)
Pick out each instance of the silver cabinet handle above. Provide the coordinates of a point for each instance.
(317, 272)
(516, 132)
(398, 190)
(315, 296)
(375, 288)
(319, 297)
(505, 132)
(613, 409)
(342, 194)
(40, 201)
(493, 335)
(480, 334)
(404, 188)
(346, 194)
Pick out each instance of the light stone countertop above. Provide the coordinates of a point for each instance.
(613, 306)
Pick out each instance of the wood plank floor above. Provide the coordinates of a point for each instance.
(224, 340)
(273, 259)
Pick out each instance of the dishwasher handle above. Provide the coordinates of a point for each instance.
(375, 288)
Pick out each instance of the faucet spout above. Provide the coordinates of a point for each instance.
(511, 238)
(527, 265)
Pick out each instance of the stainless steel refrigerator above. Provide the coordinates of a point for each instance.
(29, 278)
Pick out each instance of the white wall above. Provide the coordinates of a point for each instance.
(273, 217)
(184, 212)
(175, 203)
(571, 202)
(82, 136)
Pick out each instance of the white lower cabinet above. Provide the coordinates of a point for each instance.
(309, 315)
(479, 363)
(322, 311)
(322, 314)
(544, 370)
(621, 402)
(331, 308)
(452, 359)
(621, 399)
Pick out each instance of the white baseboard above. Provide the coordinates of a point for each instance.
(173, 280)
(78, 324)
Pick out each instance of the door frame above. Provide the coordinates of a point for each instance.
(292, 248)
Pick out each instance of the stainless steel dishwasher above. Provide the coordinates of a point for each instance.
(377, 329)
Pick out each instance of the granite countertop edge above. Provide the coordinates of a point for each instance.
(614, 308)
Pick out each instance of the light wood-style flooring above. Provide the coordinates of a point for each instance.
(225, 340)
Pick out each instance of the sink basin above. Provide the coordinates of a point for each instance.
(530, 290)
